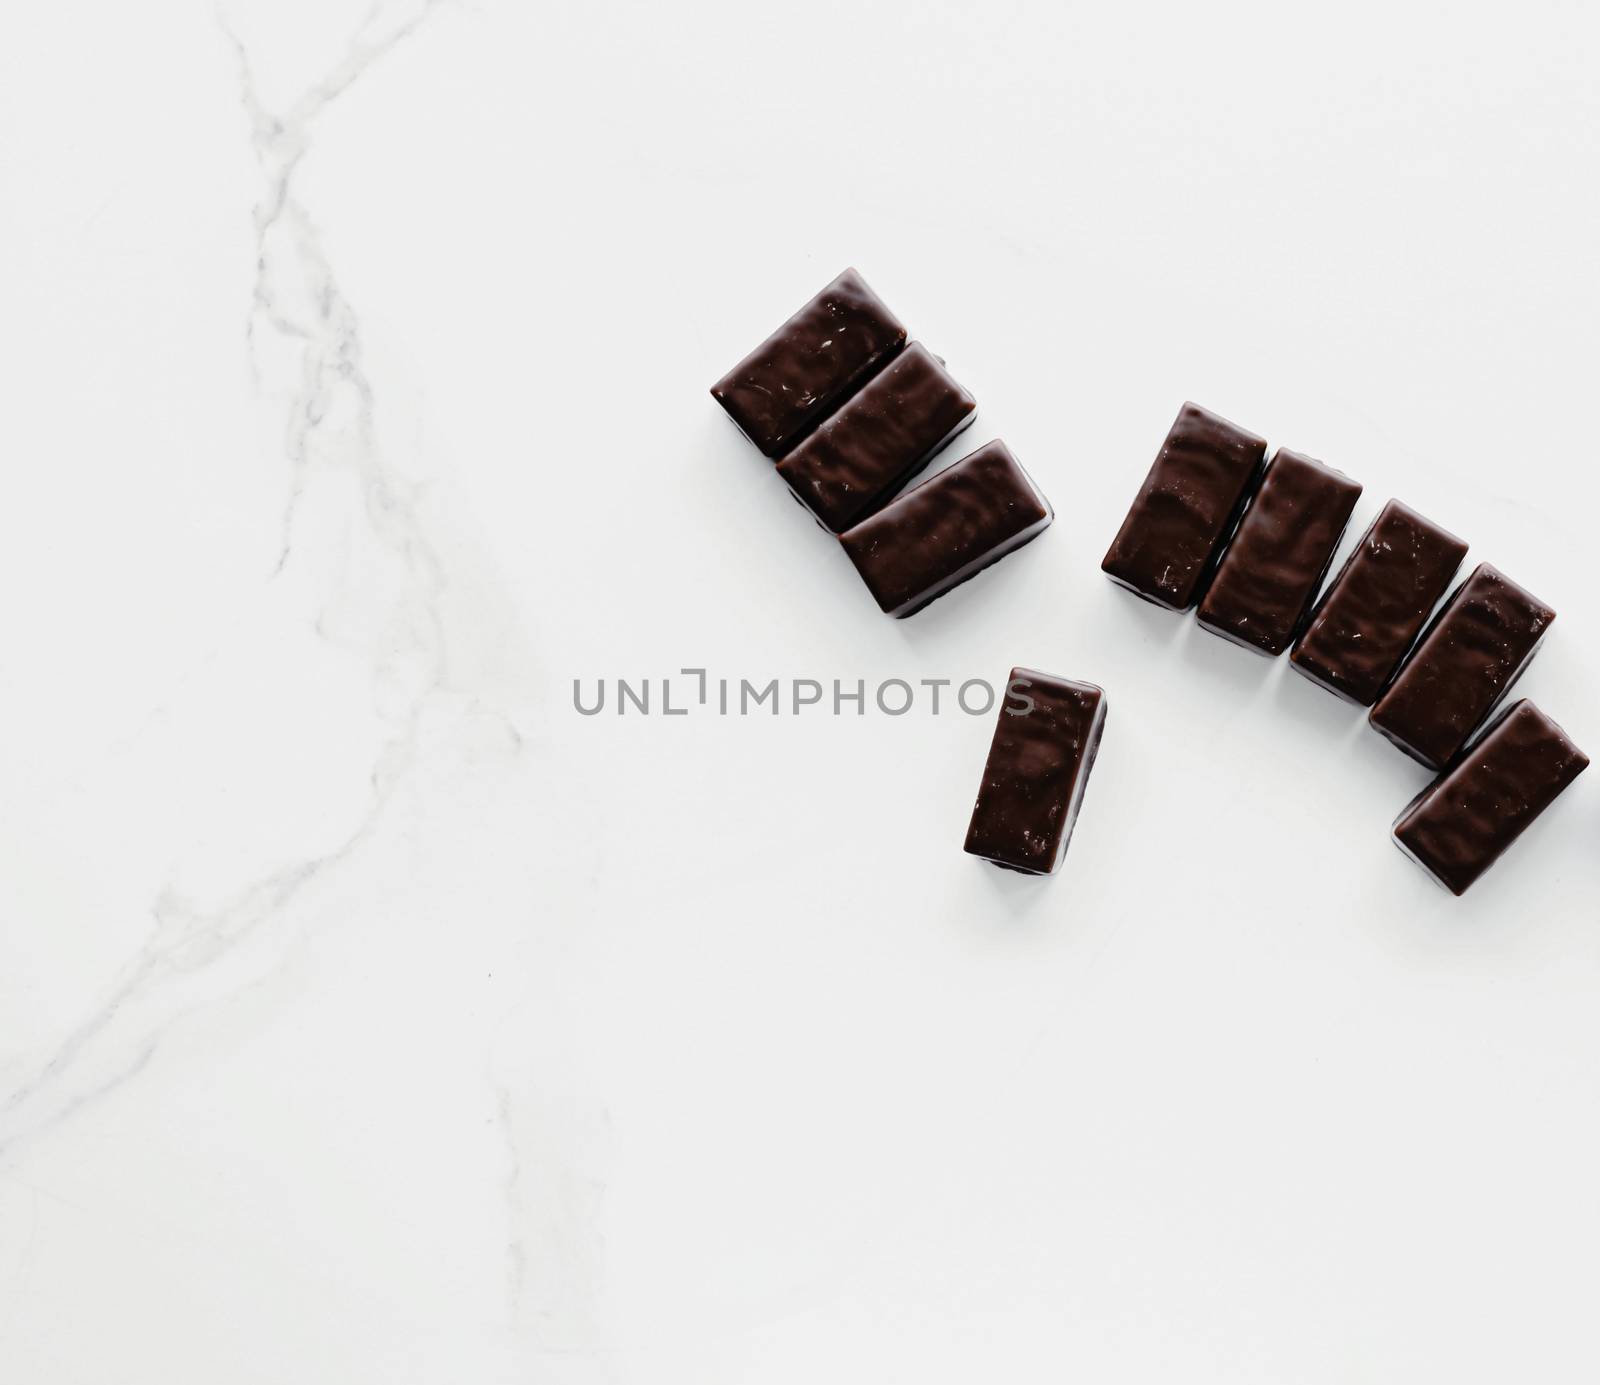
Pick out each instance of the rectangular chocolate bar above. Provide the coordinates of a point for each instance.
(1367, 619)
(878, 440)
(811, 365)
(1462, 823)
(1268, 577)
(1039, 761)
(946, 530)
(1189, 503)
(1477, 647)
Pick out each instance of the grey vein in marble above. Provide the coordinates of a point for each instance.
(295, 297)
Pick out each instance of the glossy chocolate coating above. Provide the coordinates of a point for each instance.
(1368, 617)
(1191, 499)
(1039, 763)
(1462, 823)
(878, 440)
(1476, 648)
(952, 526)
(1269, 576)
(811, 365)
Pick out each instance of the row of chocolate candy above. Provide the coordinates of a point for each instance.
(1249, 541)
(851, 412)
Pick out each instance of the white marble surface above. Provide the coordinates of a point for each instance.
(366, 1015)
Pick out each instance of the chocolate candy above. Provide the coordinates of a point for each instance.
(1039, 761)
(1269, 576)
(879, 440)
(1366, 621)
(946, 530)
(1462, 823)
(1476, 648)
(1194, 493)
(811, 365)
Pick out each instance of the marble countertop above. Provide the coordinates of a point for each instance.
(368, 1014)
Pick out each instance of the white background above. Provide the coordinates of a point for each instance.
(366, 1015)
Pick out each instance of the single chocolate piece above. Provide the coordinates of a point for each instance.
(879, 440)
(1039, 761)
(811, 365)
(946, 530)
(1189, 503)
(1460, 825)
(1477, 647)
(1268, 578)
(1368, 617)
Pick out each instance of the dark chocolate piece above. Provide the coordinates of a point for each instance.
(879, 440)
(811, 365)
(1268, 578)
(1189, 503)
(1460, 825)
(946, 530)
(1368, 617)
(1477, 647)
(1039, 761)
